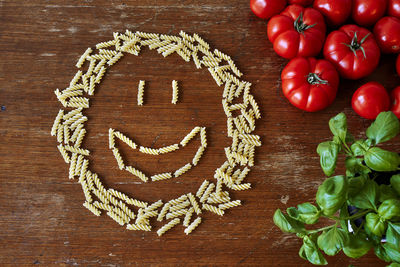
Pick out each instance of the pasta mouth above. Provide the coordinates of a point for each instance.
(113, 134)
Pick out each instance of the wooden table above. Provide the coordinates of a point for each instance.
(42, 219)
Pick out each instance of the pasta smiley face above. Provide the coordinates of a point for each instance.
(213, 194)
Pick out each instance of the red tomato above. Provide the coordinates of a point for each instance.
(394, 8)
(336, 12)
(370, 99)
(368, 12)
(297, 31)
(353, 50)
(387, 34)
(398, 65)
(300, 2)
(267, 8)
(395, 96)
(310, 84)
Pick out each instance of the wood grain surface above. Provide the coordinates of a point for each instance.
(42, 220)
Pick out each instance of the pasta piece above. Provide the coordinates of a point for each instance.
(234, 68)
(97, 182)
(92, 85)
(201, 41)
(207, 192)
(161, 176)
(242, 175)
(82, 151)
(215, 76)
(180, 206)
(83, 57)
(80, 137)
(83, 170)
(226, 88)
(213, 209)
(182, 170)
(102, 206)
(78, 165)
(163, 212)
(147, 150)
(86, 191)
(215, 199)
(154, 206)
(147, 35)
(240, 89)
(171, 215)
(71, 114)
(72, 165)
(105, 44)
(190, 136)
(92, 65)
(101, 196)
(64, 153)
(227, 110)
(116, 217)
(250, 139)
(92, 208)
(119, 195)
(99, 66)
(73, 119)
(117, 156)
(149, 41)
(125, 139)
(241, 186)
(115, 58)
(188, 216)
(172, 50)
(186, 36)
(76, 132)
(137, 173)
(89, 179)
(230, 204)
(198, 155)
(140, 93)
(202, 188)
(159, 44)
(254, 104)
(174, 92)
(178, 200)
(196, 59)
(138, 227)
(229, 127)
(193, 226)
(60, 133)
(76, 78)
(231, 93)
(121, 214)
(194, 203)
(168, 149)
(78, 121)
(168, 226)
(137, 203)
(100, 74)
(222, 55)
(203, 137)
(184, 54)
(111, 140)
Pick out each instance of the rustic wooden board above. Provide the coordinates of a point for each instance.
(41, 215)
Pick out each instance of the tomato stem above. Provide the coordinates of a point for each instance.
(355, 44)
(313, 78)
(300, 26)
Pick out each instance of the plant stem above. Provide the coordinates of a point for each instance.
(322, 229)
(354, 216)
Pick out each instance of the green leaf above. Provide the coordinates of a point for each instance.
(393, 234)
(359, 148)
(287, 224)
(382, 160)
(310, 251)
(385, 127)
(386, 192)
(357, 246)
(380, 251)
(363, 197)
(344, 213)
(392, 252)
(333, 240)
(332, 194)
(395, 183)
(328, 153)
(394, 264)
(355, 166)
(305, 212)
(375, 224)
(389, 208)
(338, 126)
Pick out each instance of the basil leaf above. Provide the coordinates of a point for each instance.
(357, 246)
(328, 153)
(393, 235)
(394, 264)
(380, 251)
(312, 253)
(386, 192)
(359, 148)
(363, 197)
(385, 127)
(305, 212)
(382, 160)
(344, 213)
(332, 241)
(338, 126)
(389, 208)
(375, 224)
(355, 166)
(392, 252)
(332, 194)
(395, 183)
(286, 223)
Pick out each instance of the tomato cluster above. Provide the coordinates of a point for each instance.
(298, 31)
